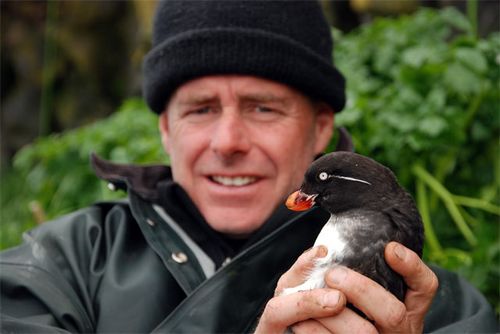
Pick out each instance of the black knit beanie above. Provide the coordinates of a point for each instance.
(284, 41)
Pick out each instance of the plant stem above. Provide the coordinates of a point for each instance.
(472, 15)
(423, 207)
(447, 199)
(442, 168)
(476, 203)
(468, 218)
(459, 254)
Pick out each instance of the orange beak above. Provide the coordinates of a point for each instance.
(298, 201)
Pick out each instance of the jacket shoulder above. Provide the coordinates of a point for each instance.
(73, 237)
(68, 265)
(86, 218)
(458, 307)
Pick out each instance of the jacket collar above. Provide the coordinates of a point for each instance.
(143, 180)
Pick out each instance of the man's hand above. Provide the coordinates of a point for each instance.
(386, 312)
(303, 307)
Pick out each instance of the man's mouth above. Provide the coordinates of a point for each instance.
(233, 181)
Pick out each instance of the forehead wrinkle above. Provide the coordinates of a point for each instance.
(264, 97)
(195, 98)
(203, 97)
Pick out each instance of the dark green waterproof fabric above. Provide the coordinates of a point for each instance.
(109, 268)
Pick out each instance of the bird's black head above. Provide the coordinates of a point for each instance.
(341, 181)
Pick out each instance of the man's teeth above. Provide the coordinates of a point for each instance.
(237, 181)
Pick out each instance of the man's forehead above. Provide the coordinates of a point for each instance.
(242, 88)
(201, 97)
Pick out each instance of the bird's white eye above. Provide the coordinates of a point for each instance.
(323, 176)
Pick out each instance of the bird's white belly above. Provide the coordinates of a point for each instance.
(331, 237)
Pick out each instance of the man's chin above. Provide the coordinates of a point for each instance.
(235, 226)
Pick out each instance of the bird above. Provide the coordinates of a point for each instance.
(368, 208)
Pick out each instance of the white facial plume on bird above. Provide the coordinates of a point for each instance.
(368, 209)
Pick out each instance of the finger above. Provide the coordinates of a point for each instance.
(365, 294)
(283, 311)
(308, 327)
(299, 270)
(347, 322)
(408, 264)
(421, 281)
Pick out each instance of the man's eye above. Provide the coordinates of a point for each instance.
(201, 111)
(264, 113)
(198, 114)
(263, 109)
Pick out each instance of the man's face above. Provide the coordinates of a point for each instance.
(239, 145)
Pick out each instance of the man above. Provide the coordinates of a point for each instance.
(246, 93)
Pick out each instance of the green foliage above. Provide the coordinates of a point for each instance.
(424, 99)
(53, 176)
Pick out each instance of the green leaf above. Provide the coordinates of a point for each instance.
(456, 19)
(461, 80)
(436, 100)
(348, 117)
(402, 122)
(418, 55)
(432, 125)
(472, 58)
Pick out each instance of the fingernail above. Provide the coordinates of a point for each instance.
(322, 251)
(338, 274)
(330, 299)
(400, 252)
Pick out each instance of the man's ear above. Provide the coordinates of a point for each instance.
(163, 127)
(324, 126)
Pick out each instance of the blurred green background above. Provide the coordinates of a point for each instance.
(423, 98)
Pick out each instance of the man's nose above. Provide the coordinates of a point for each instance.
(230, 137)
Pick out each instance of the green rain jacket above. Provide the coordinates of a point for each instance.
(128, 267)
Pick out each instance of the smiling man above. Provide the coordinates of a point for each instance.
(240, 142)
(246, 93)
